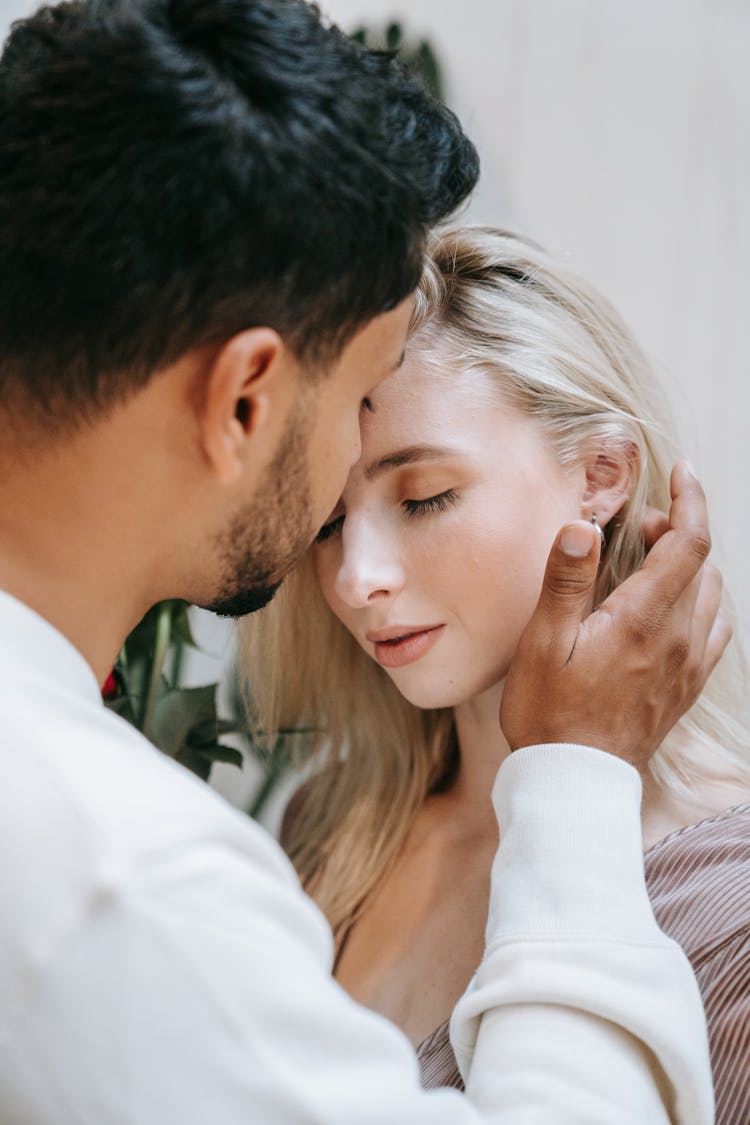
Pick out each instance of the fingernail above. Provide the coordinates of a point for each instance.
(690, 469)
(576, 541)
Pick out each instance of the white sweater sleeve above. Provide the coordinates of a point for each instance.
(581, 1009)
(195, 987)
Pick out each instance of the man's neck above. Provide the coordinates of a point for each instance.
(71, 551)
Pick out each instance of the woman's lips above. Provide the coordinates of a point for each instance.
(404, 646)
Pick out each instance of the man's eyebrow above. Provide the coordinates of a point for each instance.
(408, 456)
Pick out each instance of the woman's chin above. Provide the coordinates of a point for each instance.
(436, 693)
(435, 696)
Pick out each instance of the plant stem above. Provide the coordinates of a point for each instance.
(161, 646)
(265, 790)
(179, 650)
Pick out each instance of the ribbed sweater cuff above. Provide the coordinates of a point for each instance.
(570, 861)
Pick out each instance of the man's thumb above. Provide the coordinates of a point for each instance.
(570, 577)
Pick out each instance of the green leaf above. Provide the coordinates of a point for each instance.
(424, 63)
(181, 628)
(218, 752)
(195, 763)
(394, 36)
(206, 733)
(275, 772)
(177, 712)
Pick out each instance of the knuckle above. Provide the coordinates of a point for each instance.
(678, 652)
(699, 544)
(644, 627)
(566, 583)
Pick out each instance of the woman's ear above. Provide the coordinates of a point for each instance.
(246, 395)
(610, 476)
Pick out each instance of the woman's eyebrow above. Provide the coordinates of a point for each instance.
(408, 456)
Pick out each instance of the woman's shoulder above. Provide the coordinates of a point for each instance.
(698, 883)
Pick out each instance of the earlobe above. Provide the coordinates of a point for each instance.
(610, 476)
(238, 388)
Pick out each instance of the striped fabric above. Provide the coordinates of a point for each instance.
(437, 1063)
(699, 883)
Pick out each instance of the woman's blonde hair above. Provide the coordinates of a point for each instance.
(494, 303)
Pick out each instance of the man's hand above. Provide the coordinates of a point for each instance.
(620, 678)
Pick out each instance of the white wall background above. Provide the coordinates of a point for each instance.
(618, 133)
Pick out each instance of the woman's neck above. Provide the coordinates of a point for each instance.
(482, 748)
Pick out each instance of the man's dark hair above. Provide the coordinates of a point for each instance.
(174, 171)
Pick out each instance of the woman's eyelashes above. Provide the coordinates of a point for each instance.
(412, 508)
(329, 529)
(437, 503)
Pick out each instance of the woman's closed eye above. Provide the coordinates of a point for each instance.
(437, 503)
(333, 527)
(412, 508)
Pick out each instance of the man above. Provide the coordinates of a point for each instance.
(212, 215)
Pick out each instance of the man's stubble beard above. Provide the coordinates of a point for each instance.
(267, 538)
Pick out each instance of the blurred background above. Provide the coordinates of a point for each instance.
(616, 134)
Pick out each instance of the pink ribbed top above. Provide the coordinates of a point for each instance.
(699, 883)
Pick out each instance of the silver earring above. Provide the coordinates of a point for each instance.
(596, 524)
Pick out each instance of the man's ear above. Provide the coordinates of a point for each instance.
(611, 473)
(246, 395)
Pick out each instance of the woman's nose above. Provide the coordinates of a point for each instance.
(370, 565)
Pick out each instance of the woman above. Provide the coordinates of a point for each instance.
(523, 403)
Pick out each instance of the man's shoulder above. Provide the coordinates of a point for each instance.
(87, 803)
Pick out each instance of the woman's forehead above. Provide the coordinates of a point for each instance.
(425, 393)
